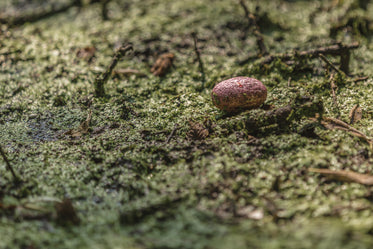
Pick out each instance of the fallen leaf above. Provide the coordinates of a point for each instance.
(86, 53)
(162, 64)
(82, 129)
(345, 176)
(355, 114)
(197, 131)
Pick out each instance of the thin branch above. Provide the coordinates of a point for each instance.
(333, 87)
(105, 10)
(322, 57)
(8, 165)
(334, 123)
(172, 133)
(256, 30)
(362, 78)
(335, 50)
(345, 176)
(103, 78)
(200, 62)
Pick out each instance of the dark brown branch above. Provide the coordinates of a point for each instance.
(8, 165)
(172, 133)
(345, 60)
(362, 78)
(339, 49)
(200, 62)
(104, 10)
(331, 65)
(103, 78)
(256, 30)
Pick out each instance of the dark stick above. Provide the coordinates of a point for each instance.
(105, 10)
(331, 65)
(362, 78)
(256, 30)
(172, 133)
(345, 61)
(103, 78)
(200, 62)
(335, 50)
(8, 165)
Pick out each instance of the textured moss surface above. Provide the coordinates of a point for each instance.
(216, 182)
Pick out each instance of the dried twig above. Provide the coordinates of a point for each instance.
(355, 114)
(172, 133)
(322, 57)
(333, 123)
(200, 62)
(104, 10)
(342, 50)
(345, 176)
(339, 124)
(256, 30)
(103, 78)
(358, 79)
(8, 165)
(333, 87)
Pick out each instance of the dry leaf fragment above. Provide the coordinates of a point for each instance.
(345, 176)
(355, 114)
(86, 53)
(197, 131)
(82, 129)
(162, 64)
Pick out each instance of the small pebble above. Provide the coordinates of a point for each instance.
(239, 93)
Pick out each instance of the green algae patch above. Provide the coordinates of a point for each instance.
(158, 165)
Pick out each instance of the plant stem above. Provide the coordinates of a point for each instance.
(103, 78)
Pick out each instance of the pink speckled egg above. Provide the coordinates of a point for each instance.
(238, 94)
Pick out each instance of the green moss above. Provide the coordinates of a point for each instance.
(137, 179)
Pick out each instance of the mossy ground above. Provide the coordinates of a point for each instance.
(131, 186)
